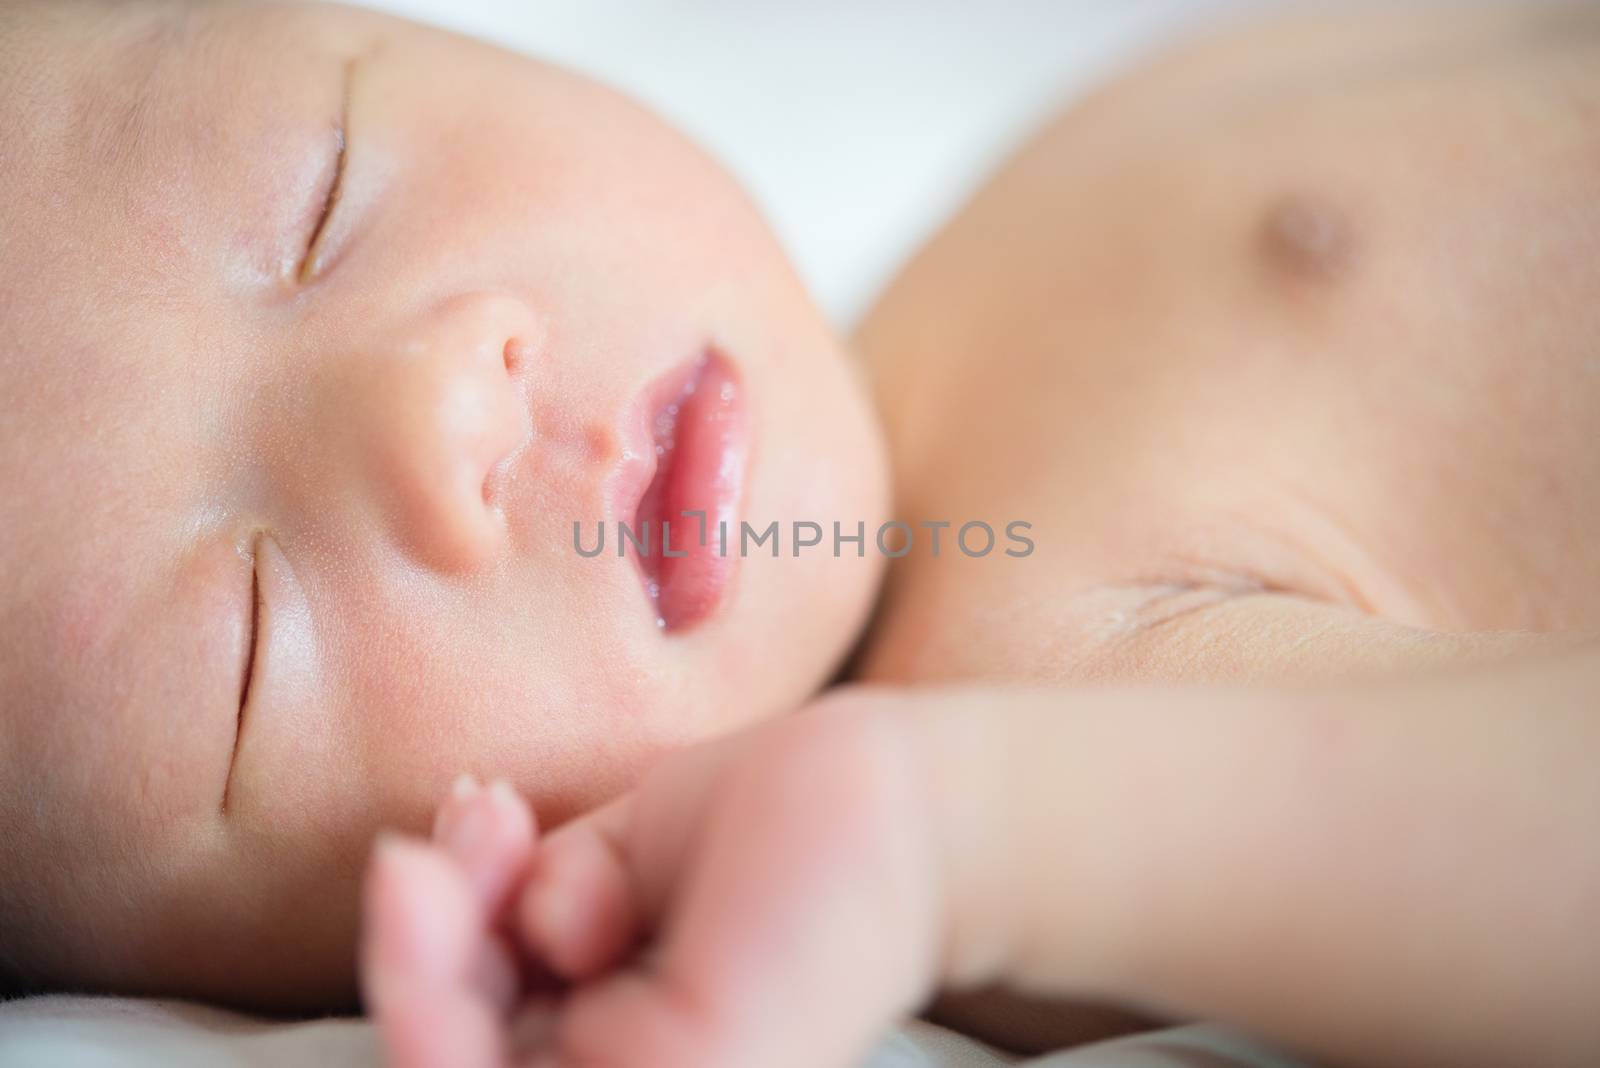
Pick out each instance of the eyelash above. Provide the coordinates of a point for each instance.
(247, 681)
(254, 633)
(311, 265)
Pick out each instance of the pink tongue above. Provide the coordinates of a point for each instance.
(699, 468)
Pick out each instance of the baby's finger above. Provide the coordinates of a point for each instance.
(600, 882)
(490, 832)
(578, 914)
(421, 947)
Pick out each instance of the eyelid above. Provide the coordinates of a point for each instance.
(254, 635)
(247, 680)
(288, 689)
(317, 256)
(314, 259)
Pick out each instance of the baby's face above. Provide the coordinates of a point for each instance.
(320, 332)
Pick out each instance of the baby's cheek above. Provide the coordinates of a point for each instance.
(567, 728)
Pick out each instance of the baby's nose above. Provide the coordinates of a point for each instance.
(439, 409)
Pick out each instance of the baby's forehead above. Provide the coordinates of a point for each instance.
(155, 139)
(82, 77)
(100, 314)
(152, 155)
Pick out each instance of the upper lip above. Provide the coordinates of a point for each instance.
(683, 465)
(637, 468)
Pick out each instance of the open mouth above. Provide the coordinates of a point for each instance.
(691, 427)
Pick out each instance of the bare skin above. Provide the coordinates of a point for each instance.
(1285, 347)
(1198, 261)
(1273, 860)
(1289, 331)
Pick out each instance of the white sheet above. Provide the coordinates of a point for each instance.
(77, 1032)
(858, 126)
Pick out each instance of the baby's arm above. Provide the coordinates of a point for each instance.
(1393, 874)
(1401, 873)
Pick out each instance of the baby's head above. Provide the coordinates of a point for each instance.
(319, 331)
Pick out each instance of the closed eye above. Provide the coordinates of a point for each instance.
(254, 634)
(317, 253)
(311, 264)
(247, 673)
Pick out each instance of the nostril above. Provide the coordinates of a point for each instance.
(515, 354)
(442, 427)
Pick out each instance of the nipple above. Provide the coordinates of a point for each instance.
(1308, 236)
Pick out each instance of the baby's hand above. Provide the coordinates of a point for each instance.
(769, 899)
(778, 897)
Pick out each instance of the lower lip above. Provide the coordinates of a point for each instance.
(692, 429)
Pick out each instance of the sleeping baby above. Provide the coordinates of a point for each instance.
(321, 331)
(315, 371)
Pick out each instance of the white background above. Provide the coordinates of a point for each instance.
(857, 126)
